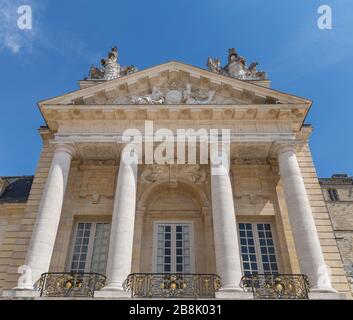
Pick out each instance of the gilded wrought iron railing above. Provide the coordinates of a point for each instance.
(277, 286)
(167, 285)
(58, 284)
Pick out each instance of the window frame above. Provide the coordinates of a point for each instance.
(173, 247)
(335, 195)
(258, 254)
(91, 241)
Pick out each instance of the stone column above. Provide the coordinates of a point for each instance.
(122, 229)
(45, 229)
(310, 256)
(225, 230)
(139, 219)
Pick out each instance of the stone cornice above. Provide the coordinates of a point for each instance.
(276, 112)
(117, 138)
(327, 182)
(13, 205)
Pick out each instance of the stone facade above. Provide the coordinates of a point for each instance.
(338, 194)
(82, 176)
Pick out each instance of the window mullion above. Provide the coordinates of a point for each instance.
(69, 267)
(257, 249)
(173, 248)
(90, 247)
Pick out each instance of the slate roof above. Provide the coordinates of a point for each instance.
(18, 189)
(337, 179)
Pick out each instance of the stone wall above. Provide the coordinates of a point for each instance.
(11, 216)
(20, 224)
(341, 214)
(88, 198)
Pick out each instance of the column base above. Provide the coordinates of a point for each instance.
(21, 293)
(326, 294)
(112, 293)
(234, 294)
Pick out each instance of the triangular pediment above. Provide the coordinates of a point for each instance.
(175, 83)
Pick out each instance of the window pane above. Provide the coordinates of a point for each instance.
(174, 249)
(333, 194)
(183, 248)
(100, 248)
(250, 256)
(163, 248)
(267, 248)
(246, 246)
(79, 256)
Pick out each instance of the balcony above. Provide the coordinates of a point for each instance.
(153, 285)
(276, 286)
(70, 284)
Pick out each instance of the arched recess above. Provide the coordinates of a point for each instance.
(165, 202)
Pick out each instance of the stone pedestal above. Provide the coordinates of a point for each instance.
(20, 293)
(234, 295)
(324, 295)
(107, 293)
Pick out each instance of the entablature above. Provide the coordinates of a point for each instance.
(56, 114)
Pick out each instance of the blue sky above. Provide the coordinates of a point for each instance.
(68, 36)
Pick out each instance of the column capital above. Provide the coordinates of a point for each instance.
(219, 148)
(67, 148)
(130, 153)
(280, 147)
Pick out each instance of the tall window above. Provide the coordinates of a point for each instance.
(257, 248)
(90, 250)
(173, 248)
(333, 194)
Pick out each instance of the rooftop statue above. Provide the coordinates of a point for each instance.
(110, 68)
(236, 67)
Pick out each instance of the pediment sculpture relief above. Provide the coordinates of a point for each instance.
(156, 97)
(236, 67)
(172, 94)
(196, 173)
(152, 173)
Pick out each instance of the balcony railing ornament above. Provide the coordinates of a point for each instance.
(70, 284)
(150, 285)
(276, 286)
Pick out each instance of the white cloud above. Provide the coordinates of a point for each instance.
(43, 37)
(12, 42)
